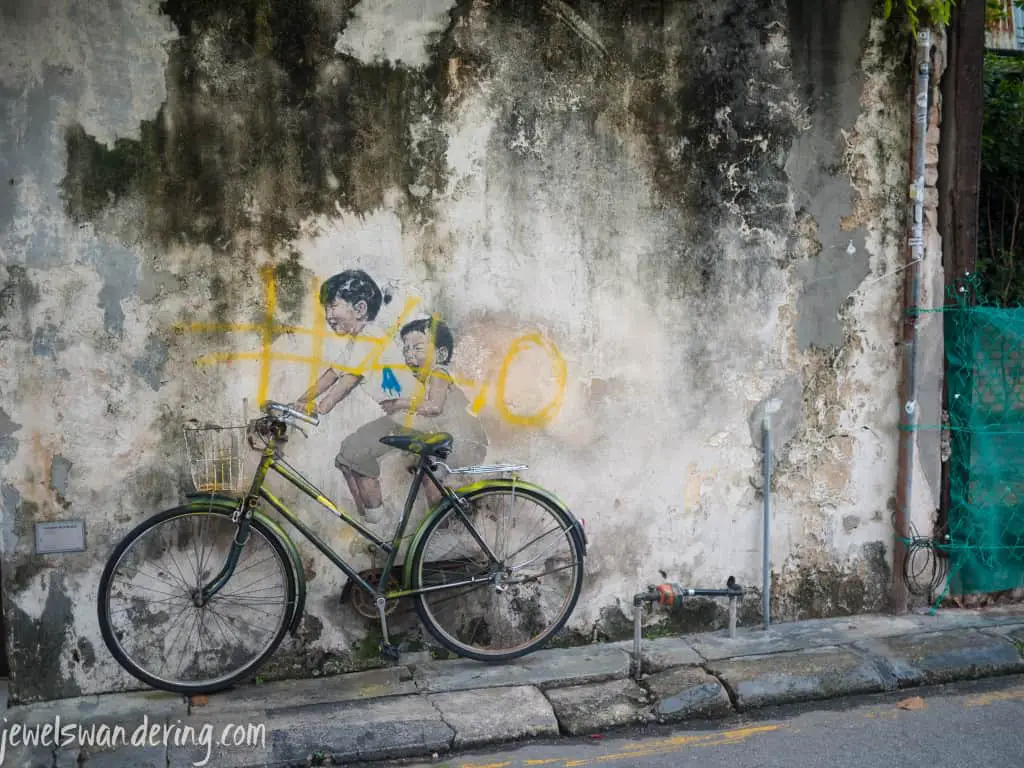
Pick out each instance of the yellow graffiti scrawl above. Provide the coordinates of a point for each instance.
(316, 362)
(549, 411)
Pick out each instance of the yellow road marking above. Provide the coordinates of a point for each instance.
(643, 749)
(737, 734)
(991, 698)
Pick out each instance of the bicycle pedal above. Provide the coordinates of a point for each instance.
(389, 652)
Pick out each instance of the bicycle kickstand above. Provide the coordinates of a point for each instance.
(388, 651)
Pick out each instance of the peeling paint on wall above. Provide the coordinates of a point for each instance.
(637, 220)
(60, 475)
(401, 33)
(8, 442)
(38, 641)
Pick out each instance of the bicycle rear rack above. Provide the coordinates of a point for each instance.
(672, 596)
(483, 469)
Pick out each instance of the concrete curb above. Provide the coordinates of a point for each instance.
(429, 709)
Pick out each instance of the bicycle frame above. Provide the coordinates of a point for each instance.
(270, 461)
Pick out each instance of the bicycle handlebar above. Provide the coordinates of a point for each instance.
(283, 410)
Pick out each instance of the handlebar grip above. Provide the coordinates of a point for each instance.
(289, 411)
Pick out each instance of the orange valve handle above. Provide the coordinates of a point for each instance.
(672, 595)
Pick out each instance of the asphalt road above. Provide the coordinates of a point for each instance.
(974, 724)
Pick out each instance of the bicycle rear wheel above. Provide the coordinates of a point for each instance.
(515, 606)
(155, 629)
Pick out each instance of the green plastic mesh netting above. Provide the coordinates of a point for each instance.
(985, 381)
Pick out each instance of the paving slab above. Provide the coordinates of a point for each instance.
(112, 709)
(31, 757)
(125, 757)
(667, 652)
(715, 646)
(145, 744)
(427, 706)
(973, 617)
(803, 635)
(687, 693)
(214, 751)
(496, 715)
(98, 736)
(787, 678)
(1013, 631)
(386, 728)
(818, 633)
(594, 707)
(1016, 636)
(556, 666)
(942, 657)
(282, 696)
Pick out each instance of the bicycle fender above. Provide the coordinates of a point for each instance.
(468, 490)
(575, 525)
(201, 501)
(229, 504)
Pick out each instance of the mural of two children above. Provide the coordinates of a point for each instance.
(409, 378)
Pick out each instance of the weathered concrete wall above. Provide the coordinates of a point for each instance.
(695, 206)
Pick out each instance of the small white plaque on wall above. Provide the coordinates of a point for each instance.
(60, 536)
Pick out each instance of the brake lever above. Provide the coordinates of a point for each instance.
(296, 426)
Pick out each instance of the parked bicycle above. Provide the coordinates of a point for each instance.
(495, 568)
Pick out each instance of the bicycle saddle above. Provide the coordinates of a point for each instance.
(422, 443)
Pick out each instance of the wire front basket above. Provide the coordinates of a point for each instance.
(216, 458)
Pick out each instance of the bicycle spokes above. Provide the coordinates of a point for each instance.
(159, 617)
(505, 606)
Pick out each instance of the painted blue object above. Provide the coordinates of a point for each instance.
(389, 383)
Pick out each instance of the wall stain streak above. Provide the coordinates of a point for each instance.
(265, 126)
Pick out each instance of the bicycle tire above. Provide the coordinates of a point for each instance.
(199, 687)
(440, 633)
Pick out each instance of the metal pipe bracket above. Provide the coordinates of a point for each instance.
(673, 596)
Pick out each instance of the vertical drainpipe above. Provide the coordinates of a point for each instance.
(771, 407)
(911, 298)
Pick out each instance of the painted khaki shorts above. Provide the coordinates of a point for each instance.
(362, 450)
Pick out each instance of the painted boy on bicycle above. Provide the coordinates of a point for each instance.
(439, 405)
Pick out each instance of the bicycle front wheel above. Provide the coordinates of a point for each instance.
(156, 628)
(497, 611)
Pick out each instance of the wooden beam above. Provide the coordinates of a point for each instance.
(960, 165)
(968, 109)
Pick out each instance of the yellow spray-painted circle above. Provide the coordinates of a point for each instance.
(543, 415)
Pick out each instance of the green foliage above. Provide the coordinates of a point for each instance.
(1002, 143)
(937, 13)
(995, 12)
(917, 13)
(1001, 198)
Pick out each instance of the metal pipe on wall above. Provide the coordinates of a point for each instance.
(766, 565)
(766, 570)
(638, 620)
(911, 297)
